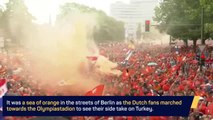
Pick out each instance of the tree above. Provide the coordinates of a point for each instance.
(108, 28)
(208, 15)
(17, 21)
(182, 19)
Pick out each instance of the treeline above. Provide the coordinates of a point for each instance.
(16, 22)
(182, 19)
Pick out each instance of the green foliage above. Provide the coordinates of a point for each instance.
(108, 28)
(16, 20)
(182, 18)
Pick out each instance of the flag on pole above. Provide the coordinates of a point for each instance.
(3, 87)
(92, 58)
(97, 91)
(128, 56)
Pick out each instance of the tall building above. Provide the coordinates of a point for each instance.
(133, 14)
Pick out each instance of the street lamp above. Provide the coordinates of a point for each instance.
(202, 3)
(202, 26)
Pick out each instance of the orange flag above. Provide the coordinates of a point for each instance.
(97, 91)
(92, 58)
(125, 74)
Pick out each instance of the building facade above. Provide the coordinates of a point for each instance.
(133, 14)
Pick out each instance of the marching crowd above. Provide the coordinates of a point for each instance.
(150, 71)
(177, 73)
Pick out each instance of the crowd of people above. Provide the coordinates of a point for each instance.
(177, 73)
(150, 71)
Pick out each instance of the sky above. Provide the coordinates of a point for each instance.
(43, 9)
